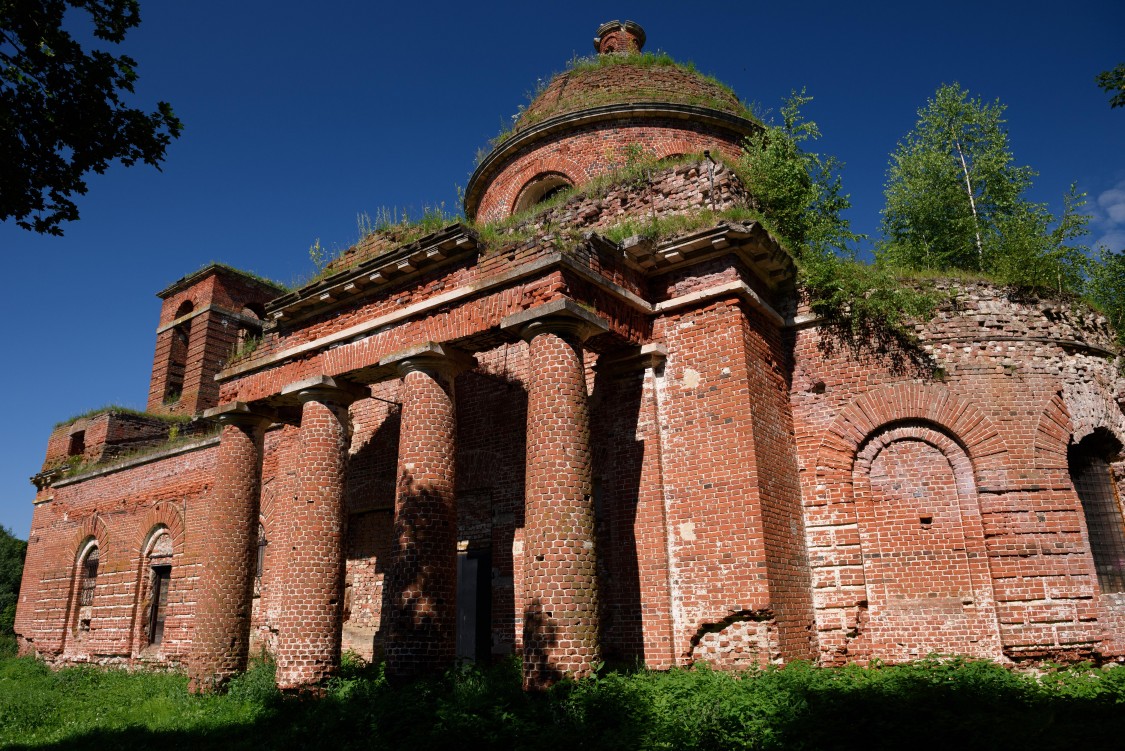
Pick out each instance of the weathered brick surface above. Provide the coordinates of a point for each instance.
(592, 150)
(560, 618)
(1003, 568)
(312, 533)
(230, 531)
(420, 592)
(700, 481)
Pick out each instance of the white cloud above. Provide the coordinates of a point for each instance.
(1109, 218)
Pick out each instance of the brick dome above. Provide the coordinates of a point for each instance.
(588, 118)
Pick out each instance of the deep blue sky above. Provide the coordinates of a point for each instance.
(299, 115)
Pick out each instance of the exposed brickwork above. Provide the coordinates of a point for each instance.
(597, 149)
(230, 528)
(560, 622)
(420, 591)
(223, 307)
(677, 465)
(312, 535)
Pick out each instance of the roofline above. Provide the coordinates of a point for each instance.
(214, 268)
(496, 160)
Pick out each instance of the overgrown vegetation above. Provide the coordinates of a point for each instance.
(118, 409)
(957, 201)
(800, 196)
(577, 97)
(12, 553)
(930, 704)
(75, 465)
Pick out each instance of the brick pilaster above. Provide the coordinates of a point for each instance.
(421, 587)
(560, 622)
(309, 624)
(228, 545)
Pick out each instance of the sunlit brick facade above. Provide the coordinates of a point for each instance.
(571, 449)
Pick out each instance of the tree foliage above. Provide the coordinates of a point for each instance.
(1113, 82)
(955, 199)
(12, 551)
(1106, 288)
(62, 108)
(800, 195)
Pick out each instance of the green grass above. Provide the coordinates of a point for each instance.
(117, 409)
(954, 704)
(579, 65)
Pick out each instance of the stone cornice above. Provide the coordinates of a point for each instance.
(236, 315)
(744, 239)
(138, 461)
(215, 268)
(424, 254)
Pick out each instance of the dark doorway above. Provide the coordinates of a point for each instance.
(161, 577)
(474, 606)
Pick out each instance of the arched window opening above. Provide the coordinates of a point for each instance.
(77, 445)
(260, 567)
(540, 189)
(178, 354)
(159, 581)
(1092, 474)
(89, 579)
(88, 563)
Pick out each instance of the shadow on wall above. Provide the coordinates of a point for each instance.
(618, 461)
(419, 589)
(539, 639)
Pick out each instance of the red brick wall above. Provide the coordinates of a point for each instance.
(1011, 375)
(119, 509)
(213, 337)
(589, 151)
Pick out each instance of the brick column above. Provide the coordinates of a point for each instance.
(560, 623)
(228, 546)
(421, 585)
(309, 625)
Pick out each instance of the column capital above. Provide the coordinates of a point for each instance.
(323, 388)
(563, 316)
(646, 357)
(432, 358)
(242, 414)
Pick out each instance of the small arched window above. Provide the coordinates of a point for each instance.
(541, 188)
(1091, 471)
(262, 542)
(89, 577)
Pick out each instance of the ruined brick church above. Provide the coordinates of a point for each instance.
(546, 442)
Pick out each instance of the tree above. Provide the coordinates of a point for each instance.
(956, 200)
(801, 198)
(12, 551)
(1106, 288)
(1113, 82)
(62, 112)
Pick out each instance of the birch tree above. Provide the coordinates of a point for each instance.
(956, 199)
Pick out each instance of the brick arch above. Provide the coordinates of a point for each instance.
(910, 402)
(515, 179)
(92, 527)
(164, 514)
(163, 518)
(963, 572)
(833, 532)
(1067, 419)
(1052, 435)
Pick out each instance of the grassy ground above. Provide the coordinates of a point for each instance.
(931, 704)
